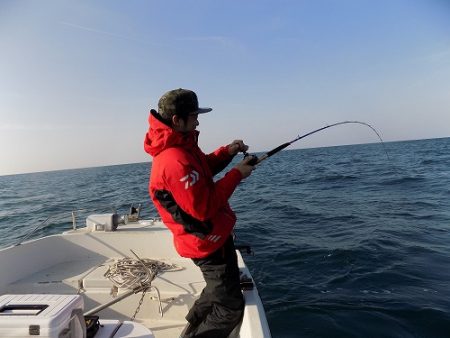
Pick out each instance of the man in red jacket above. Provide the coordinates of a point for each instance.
(195, 207)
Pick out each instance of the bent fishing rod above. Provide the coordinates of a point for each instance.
(256, 160)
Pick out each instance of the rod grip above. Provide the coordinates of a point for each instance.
(277, 149)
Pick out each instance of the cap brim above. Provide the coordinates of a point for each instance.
(203, 110)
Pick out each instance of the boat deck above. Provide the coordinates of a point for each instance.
(84, 259)
(76, 261)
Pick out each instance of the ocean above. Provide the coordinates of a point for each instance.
(347, 241)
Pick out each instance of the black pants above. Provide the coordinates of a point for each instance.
(221, 304)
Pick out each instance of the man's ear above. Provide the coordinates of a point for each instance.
(176, 120)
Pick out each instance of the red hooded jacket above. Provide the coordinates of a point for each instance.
(191, 204)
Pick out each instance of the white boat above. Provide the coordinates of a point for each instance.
(48, 285)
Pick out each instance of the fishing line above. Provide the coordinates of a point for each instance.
(257, 160)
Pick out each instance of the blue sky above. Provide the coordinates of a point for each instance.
(77, 78)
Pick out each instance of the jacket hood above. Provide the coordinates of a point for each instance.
(160, 136)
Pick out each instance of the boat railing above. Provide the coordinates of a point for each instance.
(45, 223)
(133, 215)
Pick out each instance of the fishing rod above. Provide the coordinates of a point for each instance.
(256, 160)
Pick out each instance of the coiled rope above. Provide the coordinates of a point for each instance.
(130, 273)
(138, 274)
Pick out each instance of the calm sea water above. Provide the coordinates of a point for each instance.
(347, 242)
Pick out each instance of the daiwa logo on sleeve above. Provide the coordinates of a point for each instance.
(190, 179)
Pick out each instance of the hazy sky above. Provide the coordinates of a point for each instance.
(77, 78)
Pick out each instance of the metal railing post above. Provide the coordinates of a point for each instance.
(74, 220)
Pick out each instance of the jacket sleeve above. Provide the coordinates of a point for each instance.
(219, 159)
(195, 192)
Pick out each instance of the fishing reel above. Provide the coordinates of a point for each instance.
(254, 159)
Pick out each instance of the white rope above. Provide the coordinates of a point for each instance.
(130, 273)
(138, 273)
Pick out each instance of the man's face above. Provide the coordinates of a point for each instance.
(190, 124)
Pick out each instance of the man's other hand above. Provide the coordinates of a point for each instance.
(237, 146)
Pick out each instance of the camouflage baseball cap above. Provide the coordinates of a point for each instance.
(182, 102)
